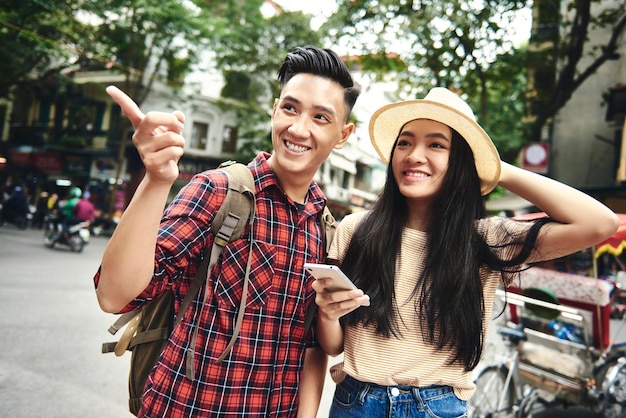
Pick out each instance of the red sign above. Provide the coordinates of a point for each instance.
(20, 158)
(535, 157)
(48, 162)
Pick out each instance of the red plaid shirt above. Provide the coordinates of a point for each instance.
(260, 376)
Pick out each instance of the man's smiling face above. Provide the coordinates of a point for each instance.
(308, 121)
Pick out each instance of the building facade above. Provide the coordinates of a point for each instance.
(84, 140)
(586, 139)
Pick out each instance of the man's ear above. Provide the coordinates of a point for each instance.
(274, 107)
(346, 131)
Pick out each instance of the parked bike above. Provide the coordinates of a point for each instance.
(75, 236)
(545, 366)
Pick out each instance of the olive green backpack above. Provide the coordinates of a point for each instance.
(148, 328)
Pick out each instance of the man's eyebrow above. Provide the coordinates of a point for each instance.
(317, 107)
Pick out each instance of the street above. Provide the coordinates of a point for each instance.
(52, 330)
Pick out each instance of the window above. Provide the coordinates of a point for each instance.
(199, 135)
(229, 139)
(84, 115)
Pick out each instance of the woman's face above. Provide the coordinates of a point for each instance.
(420, 159)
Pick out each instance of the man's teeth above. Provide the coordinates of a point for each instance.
(295, 148)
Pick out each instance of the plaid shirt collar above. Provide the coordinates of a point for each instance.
(266, 180)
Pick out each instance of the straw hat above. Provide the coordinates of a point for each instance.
(443, 106)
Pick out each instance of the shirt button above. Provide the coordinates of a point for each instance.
(395, 391)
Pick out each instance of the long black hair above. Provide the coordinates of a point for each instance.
(451, 302)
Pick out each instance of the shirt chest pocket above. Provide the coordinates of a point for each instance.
(229, 283)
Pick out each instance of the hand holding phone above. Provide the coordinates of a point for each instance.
(340, 280)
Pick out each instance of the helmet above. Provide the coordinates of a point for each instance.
(76, 192)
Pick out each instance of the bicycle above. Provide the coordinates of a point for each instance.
(525, 382)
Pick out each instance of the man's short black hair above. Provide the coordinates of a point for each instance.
(321, 62)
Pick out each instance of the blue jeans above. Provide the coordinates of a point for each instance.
(359, 399)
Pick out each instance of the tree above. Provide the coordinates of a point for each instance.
(166, 40)
(568, 43)
(36, 39)
(465, 46)
(146, 41)
(45, 42)
(249, 49)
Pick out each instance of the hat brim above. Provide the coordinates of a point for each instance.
(387, 121)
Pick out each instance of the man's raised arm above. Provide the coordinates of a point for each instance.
(128, 260)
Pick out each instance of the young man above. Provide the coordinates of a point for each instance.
(266, 373)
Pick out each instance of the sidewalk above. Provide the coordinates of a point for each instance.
(329, 389)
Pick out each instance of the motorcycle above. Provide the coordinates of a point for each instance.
(76, 236)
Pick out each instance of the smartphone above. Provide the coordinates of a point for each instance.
(340, 280)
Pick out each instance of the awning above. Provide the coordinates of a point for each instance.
(341, 162)
(616, 243)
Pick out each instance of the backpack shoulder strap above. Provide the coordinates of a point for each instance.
(236, 206)
(236, 211)
(329, 226)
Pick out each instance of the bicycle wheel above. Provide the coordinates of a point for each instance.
(489, 389)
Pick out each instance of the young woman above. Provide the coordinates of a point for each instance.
(429, 260)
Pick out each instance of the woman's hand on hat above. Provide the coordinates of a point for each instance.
(332, 305)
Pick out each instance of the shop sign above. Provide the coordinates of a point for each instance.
(48, 162)
(76, 165)
(20, 158)
(104, 168)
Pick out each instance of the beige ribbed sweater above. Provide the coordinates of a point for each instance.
(407, 360)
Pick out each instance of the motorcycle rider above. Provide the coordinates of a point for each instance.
(84, 210)
(67, 209)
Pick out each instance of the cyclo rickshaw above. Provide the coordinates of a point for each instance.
(560, 324)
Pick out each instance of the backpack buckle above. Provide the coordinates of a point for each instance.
(129, 332)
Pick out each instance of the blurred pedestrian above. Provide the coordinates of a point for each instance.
(53, 203)
(15, 209)
(41, 210)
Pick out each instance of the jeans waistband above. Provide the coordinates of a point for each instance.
(424, 391)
